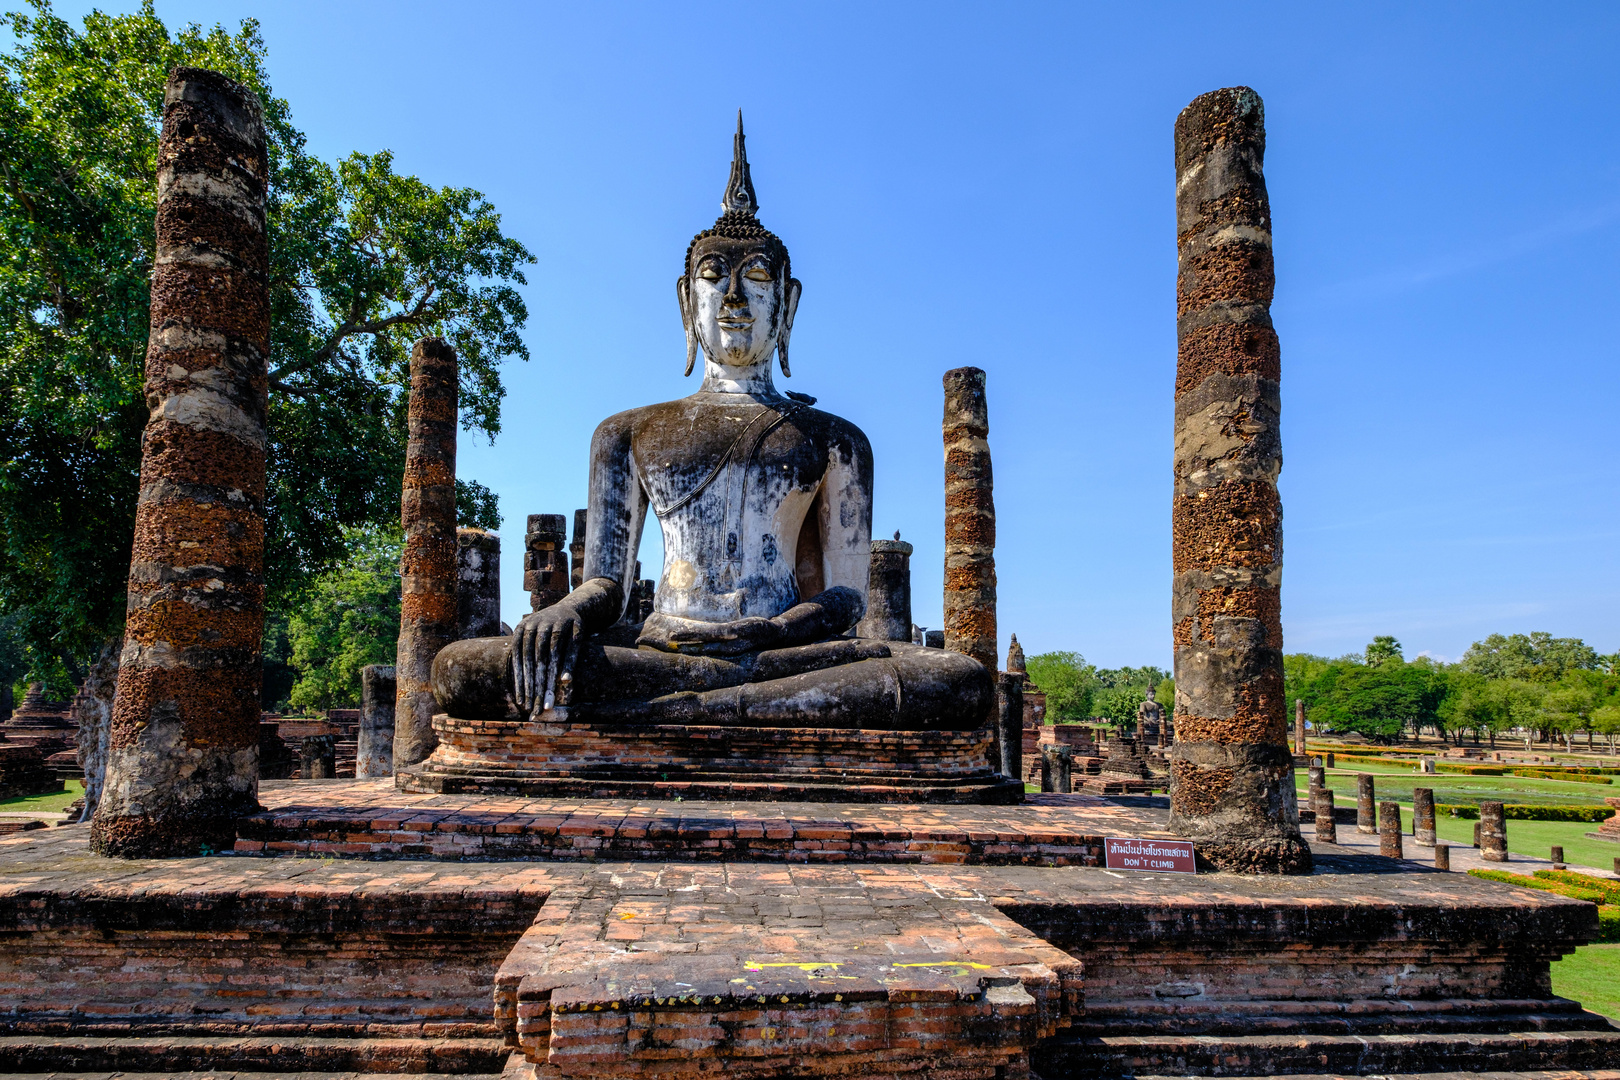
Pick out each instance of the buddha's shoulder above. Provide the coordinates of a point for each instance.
(700, 410)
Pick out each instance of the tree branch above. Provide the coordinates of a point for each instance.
(420, 313)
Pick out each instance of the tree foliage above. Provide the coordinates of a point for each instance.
(349, 617)
(1066, 680)
(363, 261)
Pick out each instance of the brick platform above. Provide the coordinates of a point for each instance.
(369, 819)
(612, 968)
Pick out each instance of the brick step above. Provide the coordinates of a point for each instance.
(1449, 1016)
(1069, 1058)
(283, 1055)
(1559, 1074)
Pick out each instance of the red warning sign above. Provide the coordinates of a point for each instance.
(1158, 856)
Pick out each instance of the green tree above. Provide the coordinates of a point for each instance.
(1067, 681)
(1537, 656)
(1382, 650)
(363, 261)
(348, 618)
(1380, 702)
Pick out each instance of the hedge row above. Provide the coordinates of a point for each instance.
(1562, 774)
(1524, 812)
(1575, 886)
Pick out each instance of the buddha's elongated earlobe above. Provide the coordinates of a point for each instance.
(684, 295)
(790, 306)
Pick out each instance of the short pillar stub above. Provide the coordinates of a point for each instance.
(1327, 830)
(1423, 816)
(1366, 819)
(1492, 832)
(1389, 830)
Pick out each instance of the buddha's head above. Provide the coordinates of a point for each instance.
(738, 294)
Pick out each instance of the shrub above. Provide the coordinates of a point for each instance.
(1609, 888)
(1568, 775)
(1523, 812)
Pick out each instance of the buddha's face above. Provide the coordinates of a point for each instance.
(737, 301)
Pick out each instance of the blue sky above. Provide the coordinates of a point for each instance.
(993, 185)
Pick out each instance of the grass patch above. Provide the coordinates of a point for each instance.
(1591, 976)
(1397, 781)
(45, 803)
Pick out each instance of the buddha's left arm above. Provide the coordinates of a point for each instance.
(845, 524)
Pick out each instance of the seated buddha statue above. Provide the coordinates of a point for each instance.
(765, 504)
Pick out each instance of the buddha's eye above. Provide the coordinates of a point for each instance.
(758, 273)
(711, 271)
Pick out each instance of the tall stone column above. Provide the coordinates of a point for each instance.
(970, 520)
(888, 592)
(478, 584)
(427, 615)
(183, 747)
(1232, 784)
(1299, 725)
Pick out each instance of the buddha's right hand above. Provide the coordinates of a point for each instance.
(546, 643)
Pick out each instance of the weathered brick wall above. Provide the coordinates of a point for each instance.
(273, 963)
(493, 746)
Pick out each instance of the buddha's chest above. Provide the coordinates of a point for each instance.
(725, 464)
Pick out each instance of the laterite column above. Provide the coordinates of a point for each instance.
(427, 615)
(183, 753)
(1232, 783)
(970, 520)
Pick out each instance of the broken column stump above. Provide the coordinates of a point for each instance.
(1389, 830)
(374, 751)
(1423, 816)
(1232, 782)
(576, 551)
(545, 560)
(888, 592)
(478, 584)
(1010, 724)
(1366, 819)
(183, 745)
(428, 613)
(1327, 829)
(970, 520)
(1492, 832)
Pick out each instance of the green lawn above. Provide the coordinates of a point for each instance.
(1397, 782)
(46, 803)
(1591, 976)
(1524, 838)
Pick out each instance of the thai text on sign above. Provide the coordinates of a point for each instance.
(1160, 856)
